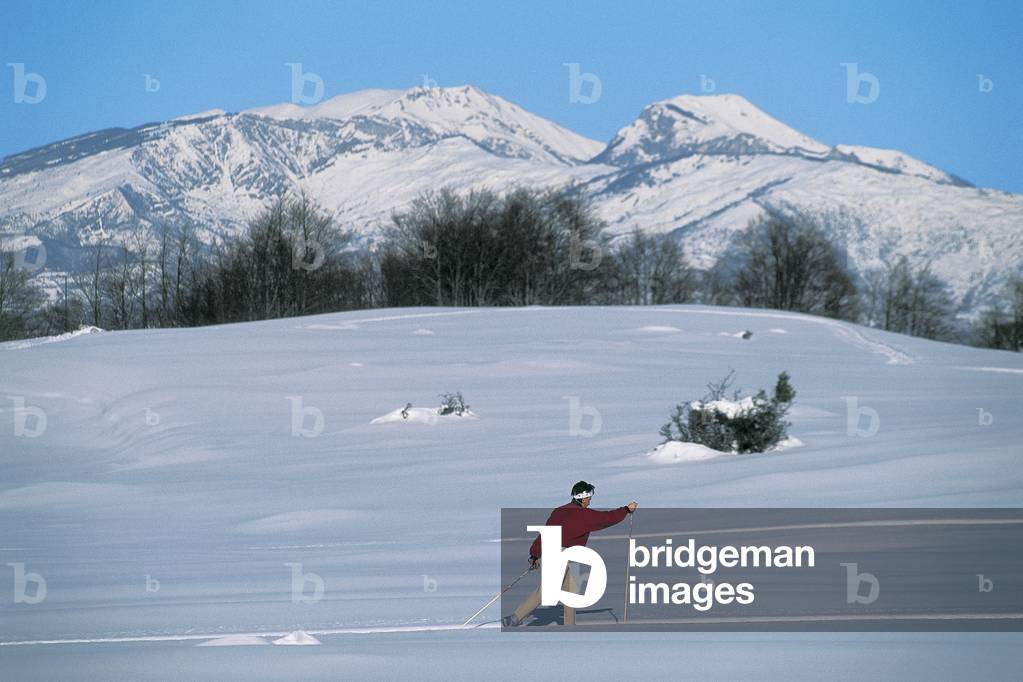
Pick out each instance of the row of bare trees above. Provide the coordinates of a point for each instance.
(20, 297)
(290, 260)
(482, 248)
(522, 247)
(525, 247)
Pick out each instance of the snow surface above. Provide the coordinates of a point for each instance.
(892, 159)
(236, 640)
(169, 455)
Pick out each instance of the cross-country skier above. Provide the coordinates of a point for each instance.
(577, 521)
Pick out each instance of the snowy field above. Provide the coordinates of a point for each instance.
(172, 499)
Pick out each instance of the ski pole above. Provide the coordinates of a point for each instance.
(625, 616)
(510, 585)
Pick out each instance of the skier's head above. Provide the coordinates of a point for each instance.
(582, 493)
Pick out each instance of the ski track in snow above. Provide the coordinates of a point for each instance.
(858, 338)
(379, 630)
(997, 370)
(845, 331)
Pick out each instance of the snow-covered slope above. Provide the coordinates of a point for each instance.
(972, 237)
(894, 160)
(699, 167)
(171, 495)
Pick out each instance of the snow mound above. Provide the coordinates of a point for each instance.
(787, 444)
(297, 638)
(777, 330)
(423, 332)
(235, 640)
(744, 334)
(421, 415)
(674, 452)
(84, 330)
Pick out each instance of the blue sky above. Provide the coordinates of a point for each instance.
(785, 57)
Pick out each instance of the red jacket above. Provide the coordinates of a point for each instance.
(577, 522)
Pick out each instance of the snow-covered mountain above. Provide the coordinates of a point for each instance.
(698, 167)
(702, 167)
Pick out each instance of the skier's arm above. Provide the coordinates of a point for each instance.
(598, 520)
(534, 549)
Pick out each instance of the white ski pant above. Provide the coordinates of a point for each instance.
(532, 601)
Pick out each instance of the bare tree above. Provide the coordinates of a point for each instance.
(909, 300)
(1001, 326)
(651, 270)
(89, 283)
(524, 247)
(139, 241)
(20, 297)
(787, 262)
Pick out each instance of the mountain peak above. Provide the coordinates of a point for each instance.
(367, 102)
(705, 124)
(340, 106)
(466, 111)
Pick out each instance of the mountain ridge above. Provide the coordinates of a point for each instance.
(697, 166)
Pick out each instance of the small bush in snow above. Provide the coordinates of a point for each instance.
(751, 424)
(452, 403)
